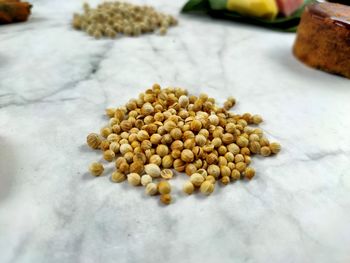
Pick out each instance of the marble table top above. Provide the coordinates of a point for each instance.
(55, 83)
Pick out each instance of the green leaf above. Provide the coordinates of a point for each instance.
(218, 4)
(196, 5)
(217, 9)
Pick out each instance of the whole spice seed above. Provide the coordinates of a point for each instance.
(249, 173)
(211, 179)
(188, 188)
(108, 155)
(164, 187)
(166, 174)
(153, 170)
(151, 189)
(159, 131)
(96, 169)
(111, 18)
(275, 147)
(165, 199)
(265, 151)
(118, 177)
(207, 188)
(134, 179)
(196, 179)
(146, 179)
(187, 156)
(93, 140)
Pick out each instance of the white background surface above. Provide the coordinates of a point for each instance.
(56, 82)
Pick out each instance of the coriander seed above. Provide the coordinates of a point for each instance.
(211, 179)
(118, 177)
(93, 140)
(134, 179)
(162, 150)
(136, 167)
(249, 173)
(153, 170)
(207, 188)
(164, 187)
(275, 147)
(166, 174)
(188, 188)
(165, 199)
(225, 180)
(108, 155)
(265, 151)
(190, 169)
(167, 161)
(213, 170)
(96, 169)
(240, 166)
(151, 189)
(146, 179)
(196, 179)
(187, 156)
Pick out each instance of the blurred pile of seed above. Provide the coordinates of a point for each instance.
(112, 18)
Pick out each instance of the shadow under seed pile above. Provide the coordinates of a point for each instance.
(168, 129)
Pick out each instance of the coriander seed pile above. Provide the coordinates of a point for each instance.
(112, 18)
(166, 129)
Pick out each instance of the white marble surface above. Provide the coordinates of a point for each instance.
(54, 85)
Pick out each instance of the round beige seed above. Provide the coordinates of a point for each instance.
(153, 170)
(96, 169)
(164, 187)
(265, 151)
(134, 179)
(275, 147)
(166, 199)
(93, 140)
(207, 188)
(249, 173)
(188, 188)
(187, 156)
(108, 155)
(151, 189)
(146, 179)
(196, 179)
(118, 177)
(166, 174)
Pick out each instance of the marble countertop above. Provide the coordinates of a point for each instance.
(56, 82)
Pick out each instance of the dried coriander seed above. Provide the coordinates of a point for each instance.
(96, 169)
(93, 140)
(249, 173)
(146, 179)
(167, 174)
(108, 155)
(196, 179)
(207, 188)
(164, 187)
(165, 199)
(134, 179)
(188, 188)
(187, 156)
(151, 189)
(225, 180)
(153, 170)
(275, 147)
(118, 177)
(265, 151)
(167, 128)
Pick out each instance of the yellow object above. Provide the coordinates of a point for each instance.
(257, 8)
